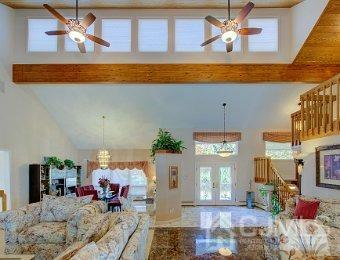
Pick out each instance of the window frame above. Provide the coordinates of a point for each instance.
(278, 18)
(168, 35)
(100, 24)
(282, 159)
(27, 35)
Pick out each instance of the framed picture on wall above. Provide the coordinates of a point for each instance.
(173, 177)
(328, 166)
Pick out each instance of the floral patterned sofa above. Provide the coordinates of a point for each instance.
(290, 238)
(71, 228)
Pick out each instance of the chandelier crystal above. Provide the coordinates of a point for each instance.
(225, 151)
(103, 155)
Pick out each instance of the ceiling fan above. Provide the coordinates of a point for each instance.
(76, 29)
(229, 28)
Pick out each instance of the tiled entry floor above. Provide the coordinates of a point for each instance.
(219, 216)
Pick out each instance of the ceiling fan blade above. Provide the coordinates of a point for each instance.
(81, 47)
(249, 31)
(214, 21)
(56, 14)
(88, 20)
(229, 47)
(56, 32)
(244, 12)
(97, 40)
(211, 40)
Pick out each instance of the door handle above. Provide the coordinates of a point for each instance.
(213, 185)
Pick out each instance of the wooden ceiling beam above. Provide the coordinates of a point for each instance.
(171, 73)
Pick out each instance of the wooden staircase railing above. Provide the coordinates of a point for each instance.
(3, 197)
(319, 115)
(265, 172)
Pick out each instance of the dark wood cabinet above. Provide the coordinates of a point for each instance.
(44, 179)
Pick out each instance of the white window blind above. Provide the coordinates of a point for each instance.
(71, 46)
(153, 35)
(38, 40)
(118, 33)
(189, 34)
(219, 45)
(268, 39)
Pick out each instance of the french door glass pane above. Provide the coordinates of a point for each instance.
(205, 183)
(225, 183)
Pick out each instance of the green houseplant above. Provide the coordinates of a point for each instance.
(166, 142)
(55, 162)
(274, 199)
(69, 164)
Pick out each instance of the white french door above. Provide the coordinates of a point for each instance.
(215, 183)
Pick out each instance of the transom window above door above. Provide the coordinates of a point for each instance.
(212, 148)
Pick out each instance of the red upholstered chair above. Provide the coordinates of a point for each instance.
(91, 192)
(88, 187)
(115, 188)
(125, 191)
(80, 191)
(115, 202)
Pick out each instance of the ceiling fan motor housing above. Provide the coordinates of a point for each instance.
(76, 31)
(229, 31)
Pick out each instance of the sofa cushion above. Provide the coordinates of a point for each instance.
(88, 252)
(71, 251)
(44, 233)
(60, 208)
(113, 243)
(99, 227)
(306, 209)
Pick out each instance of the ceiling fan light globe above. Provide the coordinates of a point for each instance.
(76, 36)
(229, 36)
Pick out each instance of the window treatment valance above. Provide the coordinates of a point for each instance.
(216, 137)
(140, 165)
(279, 137)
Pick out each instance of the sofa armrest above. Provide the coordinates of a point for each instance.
(79, 222)
(135, 249)
(16, 220)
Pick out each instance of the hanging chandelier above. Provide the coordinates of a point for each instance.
(103, 155)
(224, 151)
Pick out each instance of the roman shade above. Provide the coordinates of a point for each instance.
(140, 165)
(216, 137)
(278, 137)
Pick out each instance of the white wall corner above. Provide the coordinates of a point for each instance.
(303, 18)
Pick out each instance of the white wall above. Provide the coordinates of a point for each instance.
(5, 176)
(308, 181)
(303, 18)
(286, 168)
(27, 130)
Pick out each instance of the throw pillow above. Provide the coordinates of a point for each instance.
(88, 252)
(306, 209)
(60, 208)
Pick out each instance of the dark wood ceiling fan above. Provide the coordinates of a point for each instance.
(229, 28)
(76, 29)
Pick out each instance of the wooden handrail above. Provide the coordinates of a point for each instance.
(319, 115)
(3, 197)
(265, 172)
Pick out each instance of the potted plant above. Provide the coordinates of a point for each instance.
(69, 164)
(104, 183)
(165, 143)
(269, 191)
(55, 162)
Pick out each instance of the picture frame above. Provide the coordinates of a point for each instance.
(173, 177)
(327, 160)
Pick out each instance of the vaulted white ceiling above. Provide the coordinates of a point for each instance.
(135, 112)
